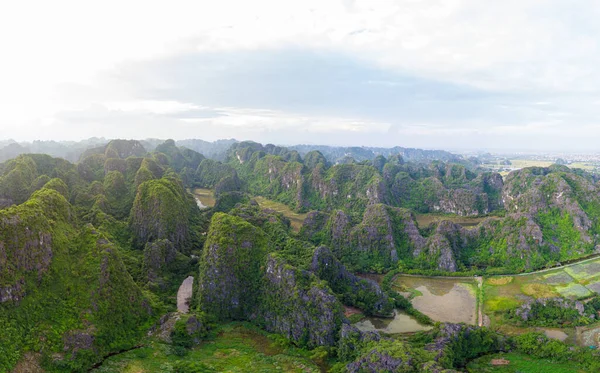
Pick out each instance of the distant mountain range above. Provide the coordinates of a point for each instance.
(217, 150)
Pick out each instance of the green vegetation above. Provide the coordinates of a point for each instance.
(238, 347)
(92, 256)
(514, 362)
(160, 211)
(85, 276)
(233, 247)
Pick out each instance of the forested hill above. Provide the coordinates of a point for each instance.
(92, 252)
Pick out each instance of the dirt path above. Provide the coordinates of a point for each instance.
(480, 301)
(184, 294)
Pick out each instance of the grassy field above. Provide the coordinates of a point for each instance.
(238, 347)
(295, 218)
(423, 220)
(206, 196)
(520, 363)
(522, 163)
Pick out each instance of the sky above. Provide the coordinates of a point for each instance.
(449, 74)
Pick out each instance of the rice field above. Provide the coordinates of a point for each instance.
(574, 281)
(204, 197)
(296, 219)
(423, 220)
(502, 293)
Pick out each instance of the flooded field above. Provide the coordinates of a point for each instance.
(558, 334)
(574, 281)
(204, 197)
(579, 280)
(400, 323)
(442, 299)
(423, 220)
(295, 218)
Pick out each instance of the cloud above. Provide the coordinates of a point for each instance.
(437, 73)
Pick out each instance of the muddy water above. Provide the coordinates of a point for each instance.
(443, 299)
(555, 334)
(400, 323)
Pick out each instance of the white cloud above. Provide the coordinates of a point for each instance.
(152, 106)
(257, 120)
(549, 47)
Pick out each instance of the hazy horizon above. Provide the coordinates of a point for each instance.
(454, 75)
(464, 151)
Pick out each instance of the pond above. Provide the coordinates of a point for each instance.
(442, 299)
(400, 323)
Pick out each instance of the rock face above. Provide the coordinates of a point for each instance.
(384, 236)
(527, 312)
(157, 256)
(452, 345)
(47, 258)
(230, 273)
(26, 241)
(239, 280)
(551, 217)
(386, 357)
(365, 294)
(374, 236)
(353, 340)
(441, 187)
(298, 307)
(160, 211)
(559, 197)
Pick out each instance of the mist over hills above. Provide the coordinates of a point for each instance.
(72, 150)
